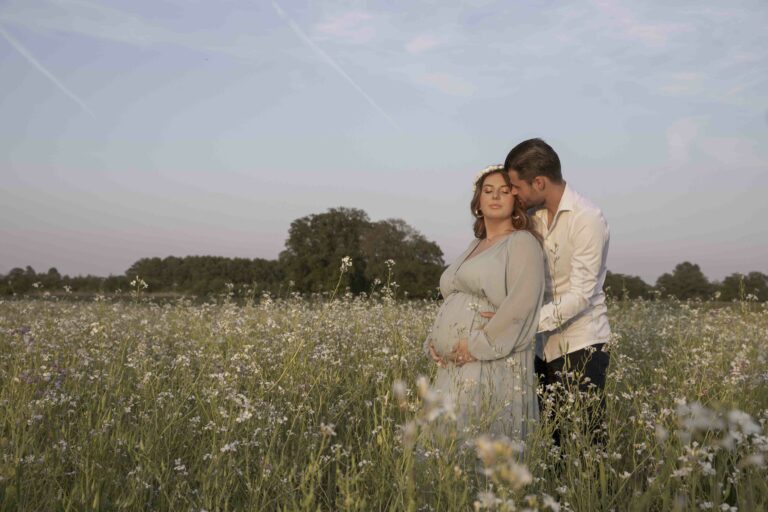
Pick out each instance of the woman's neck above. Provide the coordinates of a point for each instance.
(497, 227)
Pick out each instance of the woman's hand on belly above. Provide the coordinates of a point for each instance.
(435, 357)
(460, 354)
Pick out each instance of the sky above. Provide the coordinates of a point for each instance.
(153, 128)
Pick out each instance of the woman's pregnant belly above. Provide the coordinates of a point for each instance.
(459, 314)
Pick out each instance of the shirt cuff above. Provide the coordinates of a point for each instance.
(480, 347)
(546, 320)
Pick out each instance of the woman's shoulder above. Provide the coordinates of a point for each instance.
(470, 246)
(474, 241)
(461, 257)
(522, 236)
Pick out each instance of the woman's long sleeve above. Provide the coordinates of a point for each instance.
(514, 325)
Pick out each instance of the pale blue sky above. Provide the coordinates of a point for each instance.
(138, 128)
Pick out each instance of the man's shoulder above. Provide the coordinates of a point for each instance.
(585, 208)
(581, 202)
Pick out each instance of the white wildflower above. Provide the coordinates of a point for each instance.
(327, 429)
(229, 447)
(549, 502)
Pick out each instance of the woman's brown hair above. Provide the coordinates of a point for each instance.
(520, 218)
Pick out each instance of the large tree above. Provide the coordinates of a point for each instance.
(317, 243)
(418, 262)
(687, 281)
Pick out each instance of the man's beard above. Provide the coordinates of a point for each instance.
(531, 206)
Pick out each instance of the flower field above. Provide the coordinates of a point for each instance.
(299, 404)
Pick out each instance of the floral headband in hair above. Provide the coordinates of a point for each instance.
(487, 170)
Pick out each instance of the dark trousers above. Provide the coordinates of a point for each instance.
(581, 373)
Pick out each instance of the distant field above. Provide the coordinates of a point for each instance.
(299, 405)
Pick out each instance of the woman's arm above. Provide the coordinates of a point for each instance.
(514, 325)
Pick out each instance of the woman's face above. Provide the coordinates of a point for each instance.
(496, 198)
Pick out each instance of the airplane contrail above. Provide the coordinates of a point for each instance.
(327, 58)
(25, 53)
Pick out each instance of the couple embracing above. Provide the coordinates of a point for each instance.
(524, 306)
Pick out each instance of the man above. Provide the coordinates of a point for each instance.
(573, 324)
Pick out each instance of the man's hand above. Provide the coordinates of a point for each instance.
(487, 314)
(435, 357)
(460, 354)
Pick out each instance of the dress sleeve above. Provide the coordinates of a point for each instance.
(513, 327)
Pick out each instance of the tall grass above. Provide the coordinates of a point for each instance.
(314, 405)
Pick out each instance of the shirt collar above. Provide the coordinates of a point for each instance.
(567, 203)
(568, 200)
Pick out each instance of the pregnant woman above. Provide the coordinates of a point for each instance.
(486, 366)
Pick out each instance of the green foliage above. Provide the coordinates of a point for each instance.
(28, 282)
(317, 243)
(622, 286)
(419, 262)
(739, 287)
(687, 281)
(207, 275)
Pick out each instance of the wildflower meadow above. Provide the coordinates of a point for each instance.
(324, 403)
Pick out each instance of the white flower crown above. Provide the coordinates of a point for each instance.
(487, 170)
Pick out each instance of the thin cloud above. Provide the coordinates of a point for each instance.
(683, 83)
(349, 27)
(734, 152)
(329, 60)
(447, 83)
(421, 44)
(98, 21)
(687, 140)
(681, 138)
(654, 35)
(31, 59)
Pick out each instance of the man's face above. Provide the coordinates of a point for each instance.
(526, 193)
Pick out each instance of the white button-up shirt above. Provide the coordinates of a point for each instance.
(574, 314)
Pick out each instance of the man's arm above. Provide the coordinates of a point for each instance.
(590, 237)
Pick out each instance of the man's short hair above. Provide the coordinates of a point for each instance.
(532, 158)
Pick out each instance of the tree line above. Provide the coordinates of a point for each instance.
(387, 252)
(687, 281)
